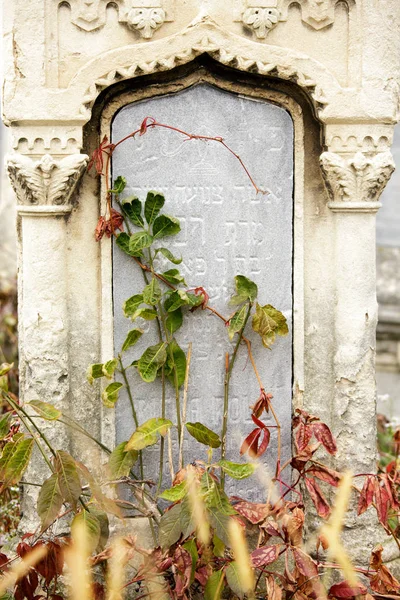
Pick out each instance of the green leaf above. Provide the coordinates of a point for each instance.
(102, 518)
(246, 288)
(202, 434)
(269, 322)
(174, 321)
(165, 252)
(109, 368)
(151, 360)
(233, 579)
(237, 470)
(215, 498)
(149, 314)
(214, 586)
(154, 203)
(94, 372)
(118, 185)
(68, 477)
(165, 225)
(110, 394)
(122, 242)
(147, 434)
(133, 336)
(138, 242)
(45, 410)
(191, 547)
(180, 298)
(176, 493)
(49, 501)
(121, 461)
(131, 305)
(14, 460)
(152, 293)
(173, 276)
(220, 522)
(92, 526)
(175, 366)
(187, 523)
(5, 423)
(218, 547)
(170, 528)
(132, 207)
(5, 368)
(237, 321)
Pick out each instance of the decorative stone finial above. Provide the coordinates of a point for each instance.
(356, 183)
(46, 183)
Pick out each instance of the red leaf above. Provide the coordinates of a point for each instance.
(264, 444)
(274, 591)
(271, 528)
(345, 590)
(144, 125)
(367, 494)
(202, 575)
(262, 403)
(250, 444)
(265, 555)
(324, 435)
(100, 229)
(391, 490)
(325, 474)
(255, 513)
(96, 160)
(303, 436)
(318, 498)
(304, 563)
(114, 222)
(257, 422)
(382, 502)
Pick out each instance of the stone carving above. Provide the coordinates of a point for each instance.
(359, 179)
(318, 13)
(261, 20)
(144, 16)
(146, 20)
(47, 182)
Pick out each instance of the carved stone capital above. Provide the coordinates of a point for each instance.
(45, 186)
(355, 184)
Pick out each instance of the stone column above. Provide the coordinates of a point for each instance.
(44, 191)
(355, 182)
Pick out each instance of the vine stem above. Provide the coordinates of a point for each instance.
(229, 364)
(128, 389)
(184, 404)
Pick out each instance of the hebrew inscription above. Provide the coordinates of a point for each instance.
(227, 229)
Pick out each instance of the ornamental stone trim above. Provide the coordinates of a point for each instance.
(45, 186)
(355, 184)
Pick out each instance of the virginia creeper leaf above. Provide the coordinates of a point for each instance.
(138, 242)
(233, 579)
(154, 203)
(214, 586)
(147, 434)
(170, 528)
(68, 477)
(237, 470)
(49, 501)
(92, 528)
(45, 410)
(14, 460)
(121, 461)
(151, 360)
(265, 555)
(323, 434)
(202, 434)
(237, 321)
(245, 290)
(5, 368)
(132, 207)
(220, 522)
(176, 493)
(133, 336)
(164, 226)
(269, 322)
(110, 394)
(5, 423)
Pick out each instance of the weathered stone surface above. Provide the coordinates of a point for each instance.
(227, 229)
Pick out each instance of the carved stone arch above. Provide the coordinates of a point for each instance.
(205, 37)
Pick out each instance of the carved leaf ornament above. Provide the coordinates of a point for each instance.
(47, 182)
(146, 20)
(261, 20)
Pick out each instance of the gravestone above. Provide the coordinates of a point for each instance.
(227, 229)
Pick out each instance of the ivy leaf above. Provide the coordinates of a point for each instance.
(154, 203)
(109, 368)
(118, 185)
(245, 289)
(68, 477)
(147, 434)
(152, 293)
(174, 320)
(165, 252)
(14, 461)
(91, 525)
(121, 461)
(214, 586)
(173, 276)
(110, 394)
(237, 321)
(49, 501)
(176, 493)
(5, 423)
(202, 434)
(170, 529)
(45, 411)
(269, 322)
(237, 470)
(175, 366)
(164, 226)
(133, 336)
(132, 304)
(132, 207)
(151, 360)
(94, 372)
(138, 241)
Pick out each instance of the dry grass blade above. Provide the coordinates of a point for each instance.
(242, 558)
(332, 530)
(77, 560)
(22, 568)
(116, 570)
